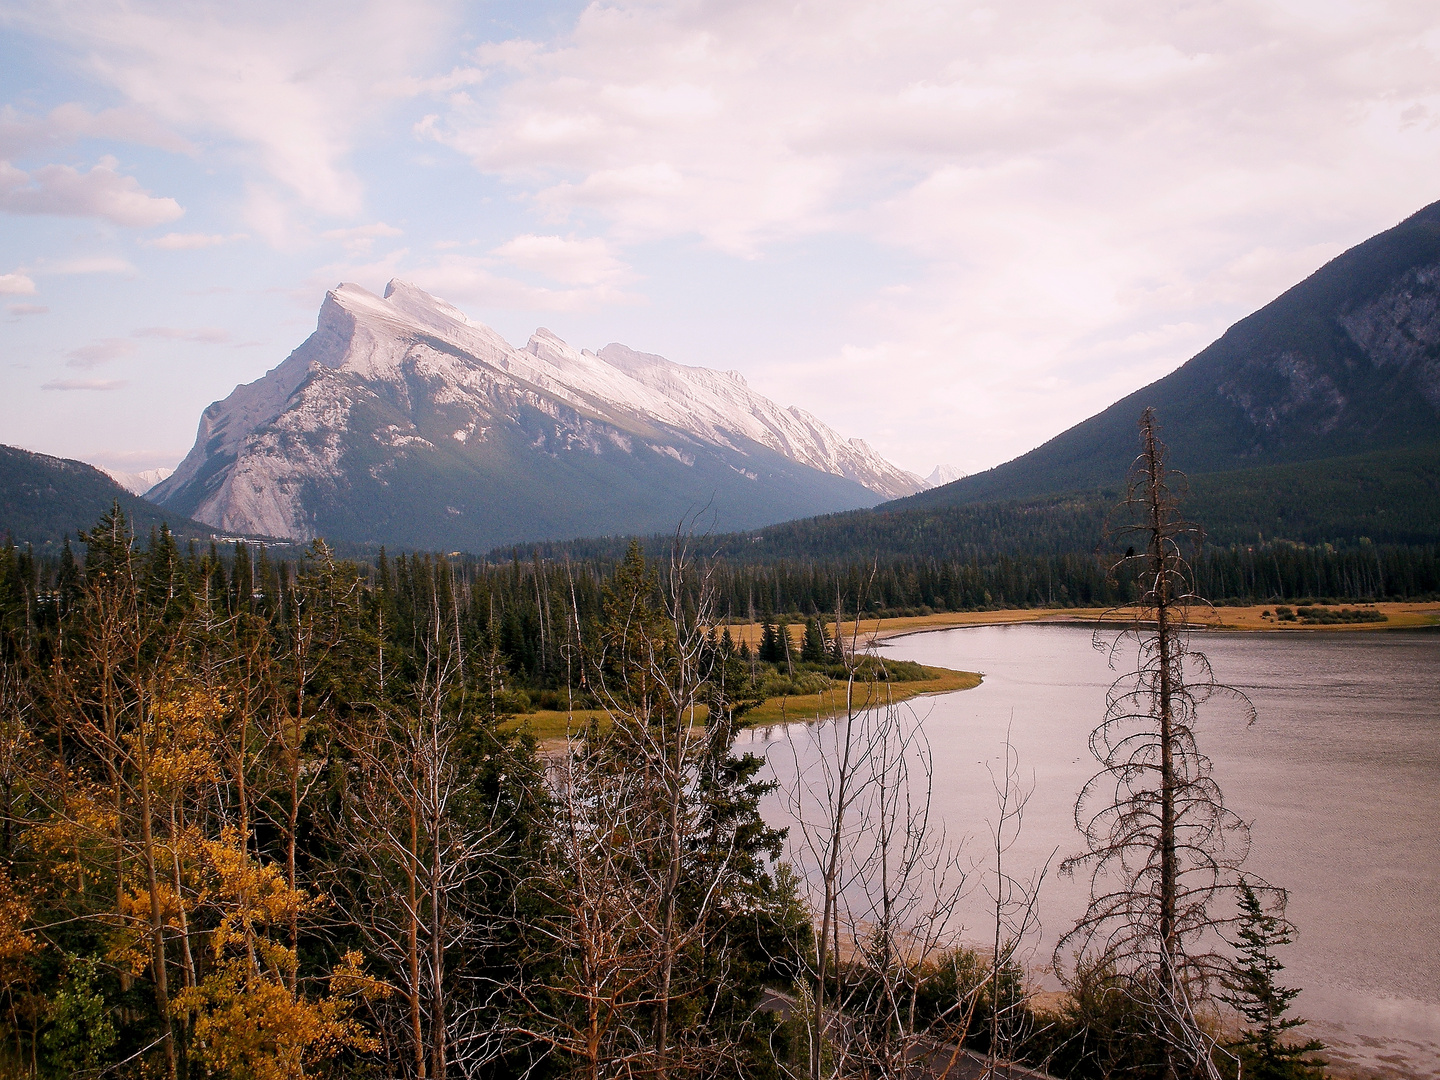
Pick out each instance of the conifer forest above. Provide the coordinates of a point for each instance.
(269, 817)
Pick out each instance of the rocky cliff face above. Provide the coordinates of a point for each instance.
(401, 421)
(1400, 329)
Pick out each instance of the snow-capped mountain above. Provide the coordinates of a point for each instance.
(137, 483)
(401, 421)
(944, 474)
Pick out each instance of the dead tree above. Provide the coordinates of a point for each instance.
(1014, 904)
(1163, 850)
(884, 881)
(418, 844)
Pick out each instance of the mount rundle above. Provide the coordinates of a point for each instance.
(400, 421)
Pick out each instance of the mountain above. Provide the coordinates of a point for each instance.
(1387, 496)
(944, 474)
(138, 483)
(1346, 362)
(44, 499)
(400, 421)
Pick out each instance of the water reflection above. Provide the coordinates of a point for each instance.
(1340, 776)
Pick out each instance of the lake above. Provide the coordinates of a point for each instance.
(1339, 775)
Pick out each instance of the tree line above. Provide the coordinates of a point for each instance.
(537, 610)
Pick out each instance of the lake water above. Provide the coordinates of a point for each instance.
(1340, 777)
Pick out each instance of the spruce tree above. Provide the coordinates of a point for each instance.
(771, 651)
(68, 579)
(813, 651)
(1252, 990)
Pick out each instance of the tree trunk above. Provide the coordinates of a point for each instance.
(157, 925)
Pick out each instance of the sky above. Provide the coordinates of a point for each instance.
(950, 229)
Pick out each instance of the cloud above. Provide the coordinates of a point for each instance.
(16, 284)
(361, 238)
(84, 384)
(290, 89)
(471, 280)
(1054, 182)
(66, 123)
(192, 241)
(574, 262)
(205, 335)
(28, 309)
(87, 264)
(102, 193)
(100, 352)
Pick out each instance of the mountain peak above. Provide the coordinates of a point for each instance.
(420, 305)
(944, 474)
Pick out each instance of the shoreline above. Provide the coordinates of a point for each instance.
(1399, 616)
(551, 728)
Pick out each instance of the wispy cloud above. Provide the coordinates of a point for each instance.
(572, 261)
(86, 264)
(205, 335)
(474, 280)
(192, 241)
(21, 134)
(359, 240)
(27, 309)
(100, 352)
(289, 88)
(84, 384)
(100, 193)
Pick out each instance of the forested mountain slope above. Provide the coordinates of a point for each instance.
(1388, 496)
(1346, 362)
(43, 499)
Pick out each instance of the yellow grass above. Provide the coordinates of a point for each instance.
(547, 725)
(1400, 616)
(832, 703)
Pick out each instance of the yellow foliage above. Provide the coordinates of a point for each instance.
(16, 943)
(249, 1026)
(181, 733)
(247, 1023)
(251, 896)
(80, 837)
(349, 980)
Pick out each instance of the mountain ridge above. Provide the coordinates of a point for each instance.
(401, 421)
(1344, 362)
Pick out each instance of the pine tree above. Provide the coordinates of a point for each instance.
(813, 651)
(1253, 991)
(68, 579)
(771, 651)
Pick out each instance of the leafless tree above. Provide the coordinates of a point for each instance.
(415, 855)
(1014, 902)
(884, 880)
(1163, 850)
(636, 871)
